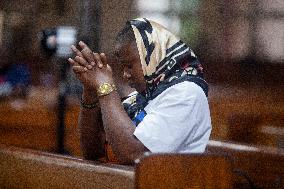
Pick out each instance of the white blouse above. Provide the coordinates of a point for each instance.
(178, 120)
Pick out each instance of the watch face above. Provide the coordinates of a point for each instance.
(105, 89)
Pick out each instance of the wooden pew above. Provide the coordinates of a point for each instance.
(260, 167)
(22, 168)
(183, 171)
(32, 122)
(252, 166)
(238, 113)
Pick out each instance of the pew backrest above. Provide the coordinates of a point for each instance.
(22, 168)
(183, 171)
(262, 166)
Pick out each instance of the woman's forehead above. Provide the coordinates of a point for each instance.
(123, 50)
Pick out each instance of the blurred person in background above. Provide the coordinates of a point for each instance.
(15, 80)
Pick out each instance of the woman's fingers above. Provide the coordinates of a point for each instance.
(75, 63)
(76, 51)
(103, 58)
(86, 58)
(98, 60)
(83, 62)
(72, 62)
(88, 55)
(79, 69)
(86, 52)
(82, 45)
(92, 58)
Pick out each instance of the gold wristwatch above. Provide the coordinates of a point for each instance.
(105, 89)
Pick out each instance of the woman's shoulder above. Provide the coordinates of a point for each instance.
(182, 91)
(186, 88)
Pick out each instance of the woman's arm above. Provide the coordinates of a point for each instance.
(120, 129)
(92, 135)
(117, 124)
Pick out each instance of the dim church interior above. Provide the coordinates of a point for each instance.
(244, 69)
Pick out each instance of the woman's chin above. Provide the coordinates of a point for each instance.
(139, 87)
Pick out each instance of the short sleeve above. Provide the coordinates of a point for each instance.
(176, 119)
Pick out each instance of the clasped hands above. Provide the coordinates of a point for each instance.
(90, 68)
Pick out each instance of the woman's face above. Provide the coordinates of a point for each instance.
(128, 56)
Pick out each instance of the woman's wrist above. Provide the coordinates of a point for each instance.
(91, 105)
(89, 95)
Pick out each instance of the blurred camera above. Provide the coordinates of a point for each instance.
(57, 41)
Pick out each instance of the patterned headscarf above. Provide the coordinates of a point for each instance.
(165, 60)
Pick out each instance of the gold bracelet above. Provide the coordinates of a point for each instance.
(105, 89)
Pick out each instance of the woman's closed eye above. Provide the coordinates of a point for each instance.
(126, 64)
(129, 66)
